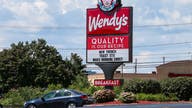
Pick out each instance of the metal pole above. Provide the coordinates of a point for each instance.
(122, 70)
(109, 69)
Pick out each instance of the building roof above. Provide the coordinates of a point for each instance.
(175, 63)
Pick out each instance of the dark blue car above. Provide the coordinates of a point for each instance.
(59, 99)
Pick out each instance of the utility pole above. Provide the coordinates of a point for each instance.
(122, 70)
(191, 57)
(135, 65)
(190, 54)
(163, 60)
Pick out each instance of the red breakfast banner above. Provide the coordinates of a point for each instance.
(107, 82)
(99, 22)
(107, 42)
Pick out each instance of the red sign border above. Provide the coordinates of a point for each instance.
(130, 34)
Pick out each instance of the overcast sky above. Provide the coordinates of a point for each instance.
(162, 28)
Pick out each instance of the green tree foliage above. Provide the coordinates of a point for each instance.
(74, 67)
(36, 64)
(81, 83)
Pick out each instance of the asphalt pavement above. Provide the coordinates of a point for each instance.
(185, 105)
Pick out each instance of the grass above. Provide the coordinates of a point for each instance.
(155, 97)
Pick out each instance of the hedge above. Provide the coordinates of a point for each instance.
(142, 86)
(180, 86)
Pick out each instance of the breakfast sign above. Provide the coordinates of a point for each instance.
(109, 33)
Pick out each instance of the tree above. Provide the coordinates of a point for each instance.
(74, 67)
(36, 64)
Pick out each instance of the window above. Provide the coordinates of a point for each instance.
(66, 93)
(49, 95)
(62, 93)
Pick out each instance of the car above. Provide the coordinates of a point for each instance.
(64, 98)
(1, 106)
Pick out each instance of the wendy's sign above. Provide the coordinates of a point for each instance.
(109, 33)
(100, 23)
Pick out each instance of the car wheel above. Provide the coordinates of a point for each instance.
(31, 106)
(71, 105)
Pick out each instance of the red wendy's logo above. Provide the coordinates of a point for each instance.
(100, 23)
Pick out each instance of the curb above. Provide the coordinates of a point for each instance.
(139, 103)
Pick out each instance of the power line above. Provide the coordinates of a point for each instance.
(40, 27)
(153, 45)
(162, 54)
(161, 25)
(140, 66)
(165, 44)
(81, 27)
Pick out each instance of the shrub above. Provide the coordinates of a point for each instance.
(52, 87)
(155, 97)
(81, 83)
(142, 86)
(92, 89)
(16, 97)
(190, 99)
(118, 90)
(12, 98)
(127, 97)
(104, 96)
(133, 86)
(180, 86)
(151, 86)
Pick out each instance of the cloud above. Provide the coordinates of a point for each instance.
(178, 2)
(27, 13)
(143, 56)
(175, 16)
(163, 16)
(69, 5)
(2, 40)
(184, 2)
(160, 12)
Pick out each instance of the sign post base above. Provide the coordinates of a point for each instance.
(109, 69)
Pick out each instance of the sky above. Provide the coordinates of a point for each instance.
(162, 28)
